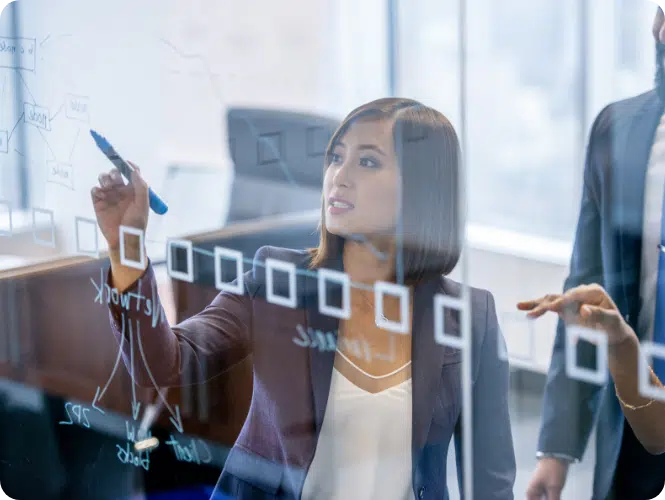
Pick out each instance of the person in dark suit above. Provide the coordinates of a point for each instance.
(616, 246)
(351, 399)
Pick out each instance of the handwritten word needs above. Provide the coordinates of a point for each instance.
(128, 454)
(76, 414)
(133, 435)
(18, 53)
(37, 116)
(60, 173)
(151, 306)
(191, 451)
(328, 341)
(77, 108)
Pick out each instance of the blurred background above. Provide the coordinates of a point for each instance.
(227, 106)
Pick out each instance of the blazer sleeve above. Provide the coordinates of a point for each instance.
(493, 453)
(570, 406)
(212, 341)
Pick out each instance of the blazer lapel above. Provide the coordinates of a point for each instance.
(428, 358)
(629, 162)
(321, 361)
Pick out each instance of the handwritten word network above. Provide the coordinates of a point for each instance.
(151, 305)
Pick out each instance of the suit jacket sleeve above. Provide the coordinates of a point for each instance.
(212, 341)
(570, 406)
(493, 452)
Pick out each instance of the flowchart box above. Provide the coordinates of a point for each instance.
(24, 47)
(520, 330)
(187, 275)
(60, 173)
(441, 302)
(6, 228)
(140, 264)
(325, 275)
(37, 116)
(4, 141)
(42, 214)
(291, 300)
(269, 148)
(77, 108)
(596, 337)
(87, 241)
(646, 388)
(382, 288)
(228, 286)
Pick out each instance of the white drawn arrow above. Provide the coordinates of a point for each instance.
(100, 393)
(136, 406)
(175, 418)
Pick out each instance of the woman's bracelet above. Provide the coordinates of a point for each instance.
(632, 407)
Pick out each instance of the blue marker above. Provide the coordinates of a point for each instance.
(156, 203)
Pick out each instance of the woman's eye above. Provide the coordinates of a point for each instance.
(335, 158)
(369, 162)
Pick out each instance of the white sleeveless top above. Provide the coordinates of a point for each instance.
(364, 449)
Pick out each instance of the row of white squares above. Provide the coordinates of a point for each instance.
(441, 302)
(87, 244)
(43, 229)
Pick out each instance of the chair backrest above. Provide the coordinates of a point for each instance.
(278, 158)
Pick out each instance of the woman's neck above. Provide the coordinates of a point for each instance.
(364, 266)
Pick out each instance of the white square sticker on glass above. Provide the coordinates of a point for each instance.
(325, 275)
(6, 228)
(382, 288)
(289, 300)
(519, 334)
(130, 233)
(188, 274)
(441, 303)
(87, 242)
(648, 351)
(43, 227)
(574, 333)
(221, 254)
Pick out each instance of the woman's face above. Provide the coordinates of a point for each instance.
(362, 180)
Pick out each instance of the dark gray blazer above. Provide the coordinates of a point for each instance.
(276, 446)
(607, 251)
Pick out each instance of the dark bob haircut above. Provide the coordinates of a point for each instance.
(428, 236)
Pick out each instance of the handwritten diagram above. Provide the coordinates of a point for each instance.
(19, 56)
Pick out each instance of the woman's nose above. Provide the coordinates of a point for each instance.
(342, 176)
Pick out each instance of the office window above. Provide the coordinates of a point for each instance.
(523, 113)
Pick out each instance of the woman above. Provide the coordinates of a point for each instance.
(327, 423)
(591, 307)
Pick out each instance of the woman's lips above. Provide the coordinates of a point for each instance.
(337, 206)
